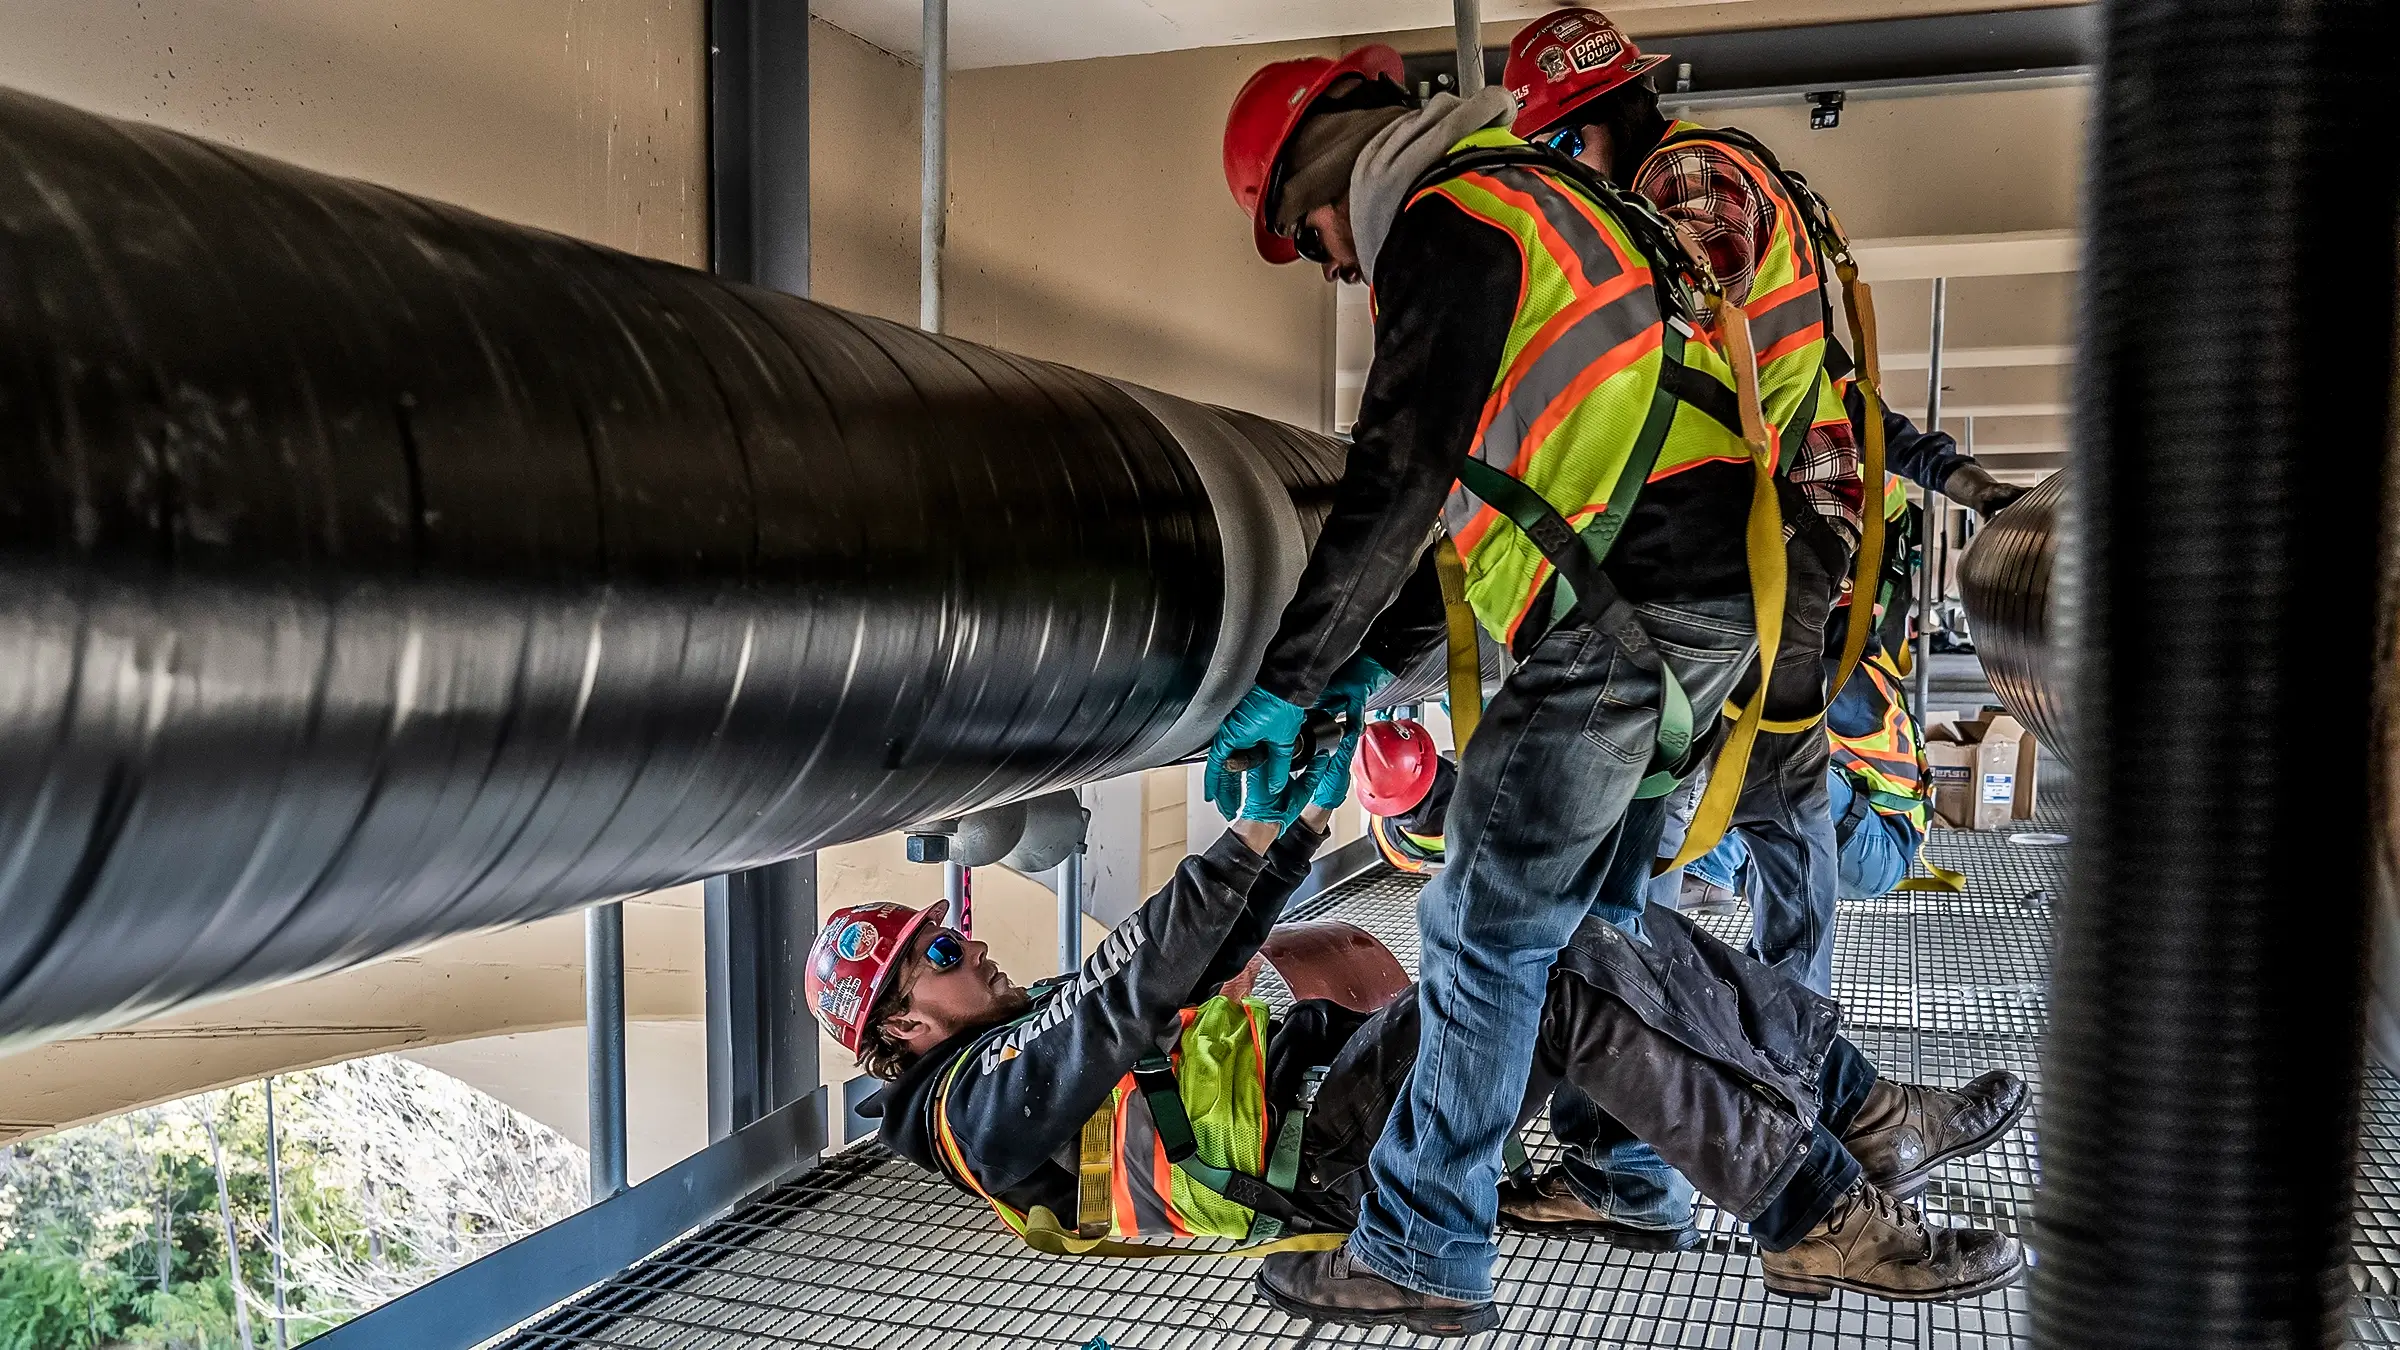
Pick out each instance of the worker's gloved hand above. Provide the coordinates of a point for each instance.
(1973, 487)
(1329, 773)
(1271, 725)
(1349, 691)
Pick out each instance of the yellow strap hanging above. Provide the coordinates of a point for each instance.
(1043, 1233)
(1767, 577)
(1859, 300)
(1095, 1206)
(1466, 656)
(1943, 879)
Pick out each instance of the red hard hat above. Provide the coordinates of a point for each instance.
(1263, 115)
(1567, 59)
(854, 958)
(1396, 763)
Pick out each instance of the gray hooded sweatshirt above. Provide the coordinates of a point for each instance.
(1403, 151)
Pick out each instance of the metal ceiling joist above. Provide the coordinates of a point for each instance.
(2000, 46)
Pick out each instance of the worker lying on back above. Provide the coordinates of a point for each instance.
(1132, 1100)
(1877, 785)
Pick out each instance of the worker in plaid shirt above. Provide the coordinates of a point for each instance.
(1583, 90)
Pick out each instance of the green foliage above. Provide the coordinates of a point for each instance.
(111, 1236)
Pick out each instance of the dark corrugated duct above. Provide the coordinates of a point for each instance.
(2009, 581)
(2202, 1073)
(371, 571)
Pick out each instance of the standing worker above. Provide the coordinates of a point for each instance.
(1533, 344)
(1583, 90)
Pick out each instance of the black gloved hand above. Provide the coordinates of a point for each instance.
(1972, 486)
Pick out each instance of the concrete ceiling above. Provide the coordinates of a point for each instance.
(1024, 32)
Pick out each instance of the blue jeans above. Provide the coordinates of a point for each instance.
(1532, 830)
(1876, 849)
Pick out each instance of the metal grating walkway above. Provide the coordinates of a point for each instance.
(868, 1252)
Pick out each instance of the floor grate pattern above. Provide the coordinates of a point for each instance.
(867, 1252)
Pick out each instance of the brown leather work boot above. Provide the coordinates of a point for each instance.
(1874, 1244)
(1549, 1205)
(1326, 1287)
(1904, 1131)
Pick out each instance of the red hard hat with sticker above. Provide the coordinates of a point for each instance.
(1263, 117)
(1566, 60)
(1396, 766)
(853, 960)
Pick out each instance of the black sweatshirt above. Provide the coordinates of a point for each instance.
(1446, 288)
(1020, 1102)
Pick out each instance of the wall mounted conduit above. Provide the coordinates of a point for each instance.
(372, 571)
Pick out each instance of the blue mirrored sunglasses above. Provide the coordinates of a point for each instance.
(945, 952)
(1567, 141)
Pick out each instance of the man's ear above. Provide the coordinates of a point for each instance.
(909, 1028)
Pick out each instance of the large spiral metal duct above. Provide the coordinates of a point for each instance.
(2006, 581)
(371, 571)
(2233, 408)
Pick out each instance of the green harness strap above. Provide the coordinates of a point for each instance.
(1578, 555)
(1266, 1198)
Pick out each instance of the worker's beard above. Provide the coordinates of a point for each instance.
(1012, 1002)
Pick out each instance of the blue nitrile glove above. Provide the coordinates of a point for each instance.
(1329, 774)
(1262, 720)
(1347, 693)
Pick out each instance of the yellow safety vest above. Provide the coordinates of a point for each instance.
(1577, 378)
(1220, 1066)
(1887, 764)
(1787, 304)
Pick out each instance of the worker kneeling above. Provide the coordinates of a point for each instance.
(1132, 1100)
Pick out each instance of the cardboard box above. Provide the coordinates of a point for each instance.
(1983, 769)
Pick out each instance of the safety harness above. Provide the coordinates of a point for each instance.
(1271, 1219)
(1684, 283)
(1858, 302)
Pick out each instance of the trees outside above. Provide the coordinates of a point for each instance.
(115, 1234)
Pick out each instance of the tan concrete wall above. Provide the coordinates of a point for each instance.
(583, 116)
(1090, 224)
(862, 176)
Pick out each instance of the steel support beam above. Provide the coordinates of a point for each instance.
(758, 142)
(604, 1044)
(762, 1042)
(1467, 17)
(1927, 601)
(934, 174)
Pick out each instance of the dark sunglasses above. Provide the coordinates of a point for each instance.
(945, 952)
(1567, 141)
(1311, 244)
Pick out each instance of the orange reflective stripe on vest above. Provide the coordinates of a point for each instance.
(1576, 377)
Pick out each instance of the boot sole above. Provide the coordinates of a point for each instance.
(1911, 1183)
(1816, 1288)
(1615, 1235)
(1423, 1321)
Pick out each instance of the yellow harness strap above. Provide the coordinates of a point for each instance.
(1943, 879)
(1043, 1233)
(1767, 577)
(1466, 657)
(1095, 1167)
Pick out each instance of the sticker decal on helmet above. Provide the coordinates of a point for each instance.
(857, 940)
(1553, 63)
(839, 1000)
(1595, 51)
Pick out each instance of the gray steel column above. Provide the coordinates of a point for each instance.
(758, 142)
(958, 888)
(283, 1335)
(762, 1042)
(934, 183)
(1933, 422)
(604, 1044)
(1070, 911)
(1467, 16)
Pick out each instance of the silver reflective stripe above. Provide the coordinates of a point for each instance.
(1590, 338)
(1773, 325)
(1599, 260)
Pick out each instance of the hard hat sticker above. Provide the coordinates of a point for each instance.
(1595, 51)
(857, 941)
(840, 999)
